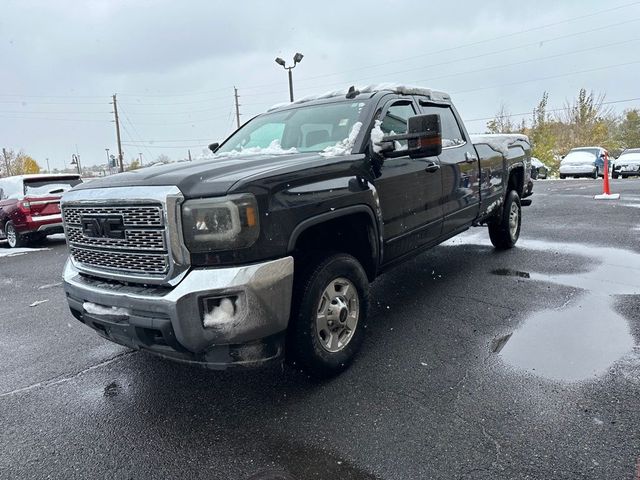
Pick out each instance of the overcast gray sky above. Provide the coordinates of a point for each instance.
(174, 64)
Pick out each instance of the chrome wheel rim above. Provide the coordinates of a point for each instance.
(514, 217)
(11, 236)
(337, 315)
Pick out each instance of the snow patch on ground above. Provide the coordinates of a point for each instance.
(221, 315)
(499, 141)
(95, 309)
(343, 147)
(14, 252)
(38, 302)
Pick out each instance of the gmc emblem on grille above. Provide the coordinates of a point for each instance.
(107, 226)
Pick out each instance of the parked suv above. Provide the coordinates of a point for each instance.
(583, 162)
(30, 206)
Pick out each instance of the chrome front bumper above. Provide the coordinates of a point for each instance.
(170, 320)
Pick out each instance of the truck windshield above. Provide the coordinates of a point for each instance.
(309, 128)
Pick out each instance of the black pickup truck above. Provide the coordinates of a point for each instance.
(265, 249)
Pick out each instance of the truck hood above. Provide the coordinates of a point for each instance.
(210, 177)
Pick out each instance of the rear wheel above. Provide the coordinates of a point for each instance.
(595, 174)
(505, 230)
(614, 175)
(562, 177)
(330, 309)
(14, 239)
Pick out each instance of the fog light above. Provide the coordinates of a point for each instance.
(219, 311)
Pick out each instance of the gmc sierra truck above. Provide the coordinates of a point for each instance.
(264, 250)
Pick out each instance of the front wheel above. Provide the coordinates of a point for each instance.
(614, 175)
(330, 310)
(504, 231)
(14, 239)
(562, 177)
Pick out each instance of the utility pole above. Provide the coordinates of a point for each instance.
(48, 169)
(235, 94)
(189, 151)
(6, 161)
(115, 112)
(140, 157)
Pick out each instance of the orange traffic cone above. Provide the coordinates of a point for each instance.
(606, 194)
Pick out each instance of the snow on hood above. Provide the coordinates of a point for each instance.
(579, 158)
(392, 87)
(274, 148)
(343, 147)
(499, 141)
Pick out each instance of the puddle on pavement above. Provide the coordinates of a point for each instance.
(572, 344)
(585, 338)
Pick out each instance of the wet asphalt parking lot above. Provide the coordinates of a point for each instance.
(515, 365)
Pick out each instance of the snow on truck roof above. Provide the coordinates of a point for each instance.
(391, 87)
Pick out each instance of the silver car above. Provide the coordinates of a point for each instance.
(627, 164)
(583, 162)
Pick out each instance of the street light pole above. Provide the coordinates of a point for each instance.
(297, 58)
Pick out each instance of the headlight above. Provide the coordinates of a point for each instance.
(226, 223)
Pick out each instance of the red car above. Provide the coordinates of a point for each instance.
(30, 206)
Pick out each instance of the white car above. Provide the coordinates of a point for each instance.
(583, 162)
(627, 164)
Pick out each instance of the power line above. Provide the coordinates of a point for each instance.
(476, 56)
(449, 49)
(546, 78)
(561, 109)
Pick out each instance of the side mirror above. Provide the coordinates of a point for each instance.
(214, 146)
(424, 138)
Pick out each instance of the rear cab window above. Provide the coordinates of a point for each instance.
(49, 186)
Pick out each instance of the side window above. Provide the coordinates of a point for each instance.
(394, 121)
(451, 133)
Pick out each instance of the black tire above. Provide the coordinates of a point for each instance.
(304, 340)
(14, 239)
(595, 174)
(502, 235)
(562, 177)
(614, 175)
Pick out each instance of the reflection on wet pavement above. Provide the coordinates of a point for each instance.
(583, 340)
(585, 337)
(571, 344)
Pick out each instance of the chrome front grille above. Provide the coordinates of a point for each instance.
(131, 262)
(143, 250)
(148, 240)
(133, 216)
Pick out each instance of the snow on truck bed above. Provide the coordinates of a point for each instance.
(499, 141)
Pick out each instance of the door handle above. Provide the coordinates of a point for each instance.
(469, 157)
(432, 167)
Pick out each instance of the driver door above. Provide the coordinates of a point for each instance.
(409, 190)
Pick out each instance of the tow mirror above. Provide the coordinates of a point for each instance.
(214, 146)
(424, 138)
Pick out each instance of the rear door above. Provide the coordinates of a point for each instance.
(460, 170)
(409, 189)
